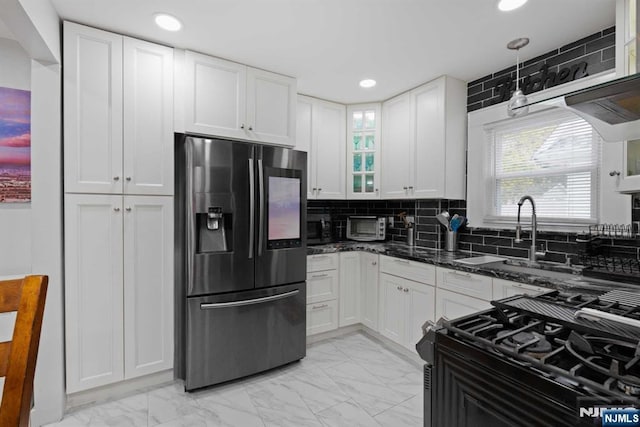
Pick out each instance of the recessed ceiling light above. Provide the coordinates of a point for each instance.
(168, 22)
(367, 83)
(507, 5)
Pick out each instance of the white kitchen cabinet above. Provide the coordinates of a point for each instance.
(118, 112)
(473, 285)
(118, 288)
(321, 132)
(228, 99)
(412, 270)
(369, 289)
(452, 305)
(404, 306)
(424, 142)
(620, 173)
(350, 289)
(363, 151)
(323, 284)
(506, 288)
(94, 322)
(148, 285)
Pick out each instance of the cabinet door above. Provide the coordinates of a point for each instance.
(322, 286)
(215, 98)
(92, 110)
(392, 306)
(369, 290)
(452, 305)
(148, 284)
(271, 107)
(397, 142)
(322, 317)
(614, 207)
(363, 151)
(93, 290)
(505, 288)
(420, 308)
(329, 149)
(148, 118)
(304, 134)
(350, 295)
(428, 165)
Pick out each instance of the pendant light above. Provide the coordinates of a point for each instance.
(518, 99)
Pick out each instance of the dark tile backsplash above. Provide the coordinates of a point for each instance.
(560, 247)
(597, 50)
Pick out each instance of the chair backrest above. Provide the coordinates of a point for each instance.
(18, 356)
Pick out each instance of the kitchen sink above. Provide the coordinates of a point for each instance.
(480, 260)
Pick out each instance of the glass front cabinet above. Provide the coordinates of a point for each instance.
(363, 151)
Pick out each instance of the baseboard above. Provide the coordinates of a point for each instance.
(118, 390)
(40, 417)
(386, 342)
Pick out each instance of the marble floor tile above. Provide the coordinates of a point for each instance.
(365, 389)
(346, 414)
(407, 414)
(352, 380)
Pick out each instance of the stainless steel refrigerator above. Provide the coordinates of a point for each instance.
(240, 258)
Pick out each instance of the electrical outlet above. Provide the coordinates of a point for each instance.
(390, 221)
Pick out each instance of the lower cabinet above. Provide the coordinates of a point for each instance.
(369, 290)
(452, 305)
(322, 317)
(118, 288)
(404, 306)
(323, 275)
(505, 288)
(350, 289)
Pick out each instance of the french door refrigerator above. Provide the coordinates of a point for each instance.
(240, 258)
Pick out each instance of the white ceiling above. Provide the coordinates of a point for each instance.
(330, 45)
(5, 33)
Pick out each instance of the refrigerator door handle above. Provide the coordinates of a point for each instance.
(252, 209)
(262, 203)
(207, 306)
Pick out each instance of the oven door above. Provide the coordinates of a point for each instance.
(474, 388)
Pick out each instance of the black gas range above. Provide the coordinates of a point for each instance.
(548, 360)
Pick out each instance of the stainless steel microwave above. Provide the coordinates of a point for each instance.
(319, 229)
(366, 228)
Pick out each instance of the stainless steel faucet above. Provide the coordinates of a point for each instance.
(533, 252)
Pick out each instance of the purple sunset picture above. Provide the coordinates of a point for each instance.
(15, 145)
(284, 208)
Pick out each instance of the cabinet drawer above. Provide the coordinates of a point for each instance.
(322, 286)
(473, 285)
(412, 270)
(322, 262)
(505, 288)
(452, 305)
(322, 317)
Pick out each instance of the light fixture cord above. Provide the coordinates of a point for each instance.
(517, 69)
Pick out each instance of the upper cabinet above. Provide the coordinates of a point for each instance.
(118, 111)
(424, 142)
(321, 133)
(363, 151)
(228, 99)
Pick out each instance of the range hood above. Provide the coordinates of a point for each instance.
(612, 108)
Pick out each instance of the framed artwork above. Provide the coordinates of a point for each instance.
(15, 145)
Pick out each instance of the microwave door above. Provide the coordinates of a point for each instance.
(281, 235)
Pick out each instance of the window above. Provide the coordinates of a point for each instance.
(554, 157)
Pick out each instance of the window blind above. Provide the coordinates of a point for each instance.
(552, 156)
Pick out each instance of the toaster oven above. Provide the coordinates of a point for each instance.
(366, 228)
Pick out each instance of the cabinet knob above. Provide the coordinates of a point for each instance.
(128, 209)
(319, 190)
(116, 209)
(128, 178)
(250, 127)
(374, 263)
(242, 126)
(404, 188)
(410, 188)
(406, 289)
(314, 189)
(614, 173)
(399, 288)
(377, 190)
(116, 178)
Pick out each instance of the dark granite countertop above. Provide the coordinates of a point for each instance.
(573, 282)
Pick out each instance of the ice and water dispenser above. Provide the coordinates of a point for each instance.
(214, 230)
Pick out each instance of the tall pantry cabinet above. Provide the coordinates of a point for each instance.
(118, 181)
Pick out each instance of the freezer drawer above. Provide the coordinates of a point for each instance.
(234, 335)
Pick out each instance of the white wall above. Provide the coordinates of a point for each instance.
(15, 218)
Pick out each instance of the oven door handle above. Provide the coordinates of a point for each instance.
(601, 315)
(207, 306)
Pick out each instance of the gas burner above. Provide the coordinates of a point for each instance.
(631, 390)
(531, 343)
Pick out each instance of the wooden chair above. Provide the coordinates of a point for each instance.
(18, 356)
